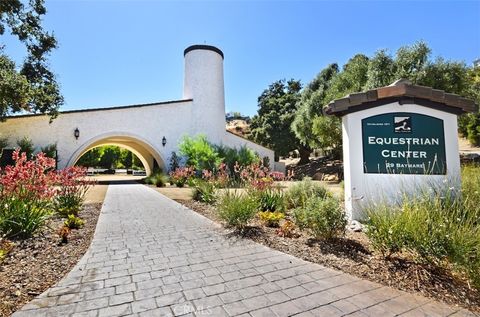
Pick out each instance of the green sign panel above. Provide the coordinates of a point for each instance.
(403, 143)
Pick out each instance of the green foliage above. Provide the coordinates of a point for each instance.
(3, 144)
(68, 204)
(299, 193)
(271, 200)
(381, 70)
(21, 218)
(234, 158)
(330, 128)
(204, 191)
(237, 209)
(199, 153)
(361, 73)
(32, 86)
(271, 219)
(26, 146)
(311, 105)
(439, 227)
(352, 78)
(109, 156)
(174, 161)
(158, 179)
(90, 159)
(73, 222)
(277, 106)
(231, 156)
(473, 128)
(50, 150)
(322, 217)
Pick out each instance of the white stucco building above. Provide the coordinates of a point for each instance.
(141, 128)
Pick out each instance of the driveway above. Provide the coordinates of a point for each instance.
(151, 256)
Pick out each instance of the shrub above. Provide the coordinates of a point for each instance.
(204, 191)
(438, 227)
(22, 217)
(73, 222)
(271, 219)
(50, 150)
(72, 188)
(473, 128)
(286, 230)
(236, 209)
(158, 179)
(297, 195)
(322, 217)
(271, 200)
(219, 176)
(174, 161)
(63, 233)
(26, 189)
(25, 145)
(242, 156)
(181, 175)
(199, 153)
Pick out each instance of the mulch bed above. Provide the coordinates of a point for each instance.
(353, 255)
(318, 169)
(35, 264)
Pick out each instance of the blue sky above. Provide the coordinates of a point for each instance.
(128, 52)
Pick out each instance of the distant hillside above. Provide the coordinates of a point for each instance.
(239, 127)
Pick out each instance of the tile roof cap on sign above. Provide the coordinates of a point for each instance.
(404, 92)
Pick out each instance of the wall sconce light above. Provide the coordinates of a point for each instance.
(76, 133)
(164, 141)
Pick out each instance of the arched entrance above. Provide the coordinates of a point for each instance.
(141, 148)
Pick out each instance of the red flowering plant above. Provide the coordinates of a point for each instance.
(260, 184)
(219, 177)
(181, 175)
(72, 186)
(26, 190)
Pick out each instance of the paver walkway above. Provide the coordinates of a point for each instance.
(153, 257)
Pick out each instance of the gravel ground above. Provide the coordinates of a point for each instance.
(354, 255)
(35, 264)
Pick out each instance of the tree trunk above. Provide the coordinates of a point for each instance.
(304, 155)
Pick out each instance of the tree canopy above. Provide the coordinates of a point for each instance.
(277, 106)
(361, 73)
(110, 156)
(31, 86)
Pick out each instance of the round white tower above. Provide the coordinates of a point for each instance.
(203, 82)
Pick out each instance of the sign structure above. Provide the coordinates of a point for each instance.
(403, 143)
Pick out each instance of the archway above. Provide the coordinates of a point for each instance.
(140, 147)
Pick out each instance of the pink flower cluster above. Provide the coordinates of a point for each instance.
(220, 177)
(258, 176)
(29, 178)
(37, 178)
(181, 175)
(71, 180)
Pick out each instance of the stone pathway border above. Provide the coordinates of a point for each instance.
(151, 256)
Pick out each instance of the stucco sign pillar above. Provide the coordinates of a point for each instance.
(397, 140)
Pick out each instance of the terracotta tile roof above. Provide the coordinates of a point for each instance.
(404, 92)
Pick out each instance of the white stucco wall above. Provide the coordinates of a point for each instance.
(142, 128)
(362, 189)
(144, 125)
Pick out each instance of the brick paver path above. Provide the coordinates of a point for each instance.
(153, 257)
